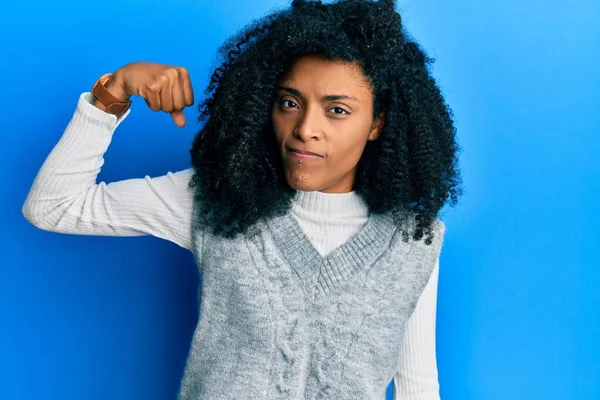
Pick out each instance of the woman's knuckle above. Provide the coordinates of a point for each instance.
(154, 86)
(172, 73)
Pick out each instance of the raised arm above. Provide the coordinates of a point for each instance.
(65, 196)
(417, 376)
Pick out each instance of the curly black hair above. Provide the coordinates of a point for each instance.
(410, 171)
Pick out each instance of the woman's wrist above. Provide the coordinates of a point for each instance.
(115, 87)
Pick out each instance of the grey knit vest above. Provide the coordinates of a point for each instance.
(279, 321)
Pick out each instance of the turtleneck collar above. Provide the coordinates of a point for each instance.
(329, 206)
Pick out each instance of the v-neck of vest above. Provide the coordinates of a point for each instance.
(322, 276)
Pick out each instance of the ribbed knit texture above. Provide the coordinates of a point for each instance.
(335, 229)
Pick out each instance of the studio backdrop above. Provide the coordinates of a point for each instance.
(112, 318)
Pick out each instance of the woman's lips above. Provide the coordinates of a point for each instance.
(303, 156)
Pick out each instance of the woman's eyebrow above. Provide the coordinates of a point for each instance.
(329, 97)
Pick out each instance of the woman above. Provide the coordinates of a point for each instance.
(310, 207)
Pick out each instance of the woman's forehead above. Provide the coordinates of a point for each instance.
(313, 75)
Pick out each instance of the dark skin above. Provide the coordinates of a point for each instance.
(324, 107)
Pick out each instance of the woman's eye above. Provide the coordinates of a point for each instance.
(339, 110)
(290, 103)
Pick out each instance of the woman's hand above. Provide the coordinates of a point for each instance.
(164, 87)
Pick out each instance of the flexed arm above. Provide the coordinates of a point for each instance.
(65, 196)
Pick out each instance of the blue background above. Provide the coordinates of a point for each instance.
(112, 318)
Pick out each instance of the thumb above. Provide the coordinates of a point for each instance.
(179, 118)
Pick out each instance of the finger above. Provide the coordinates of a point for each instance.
(166, 96)
(179, 118)
(186, 83)
(178, 96)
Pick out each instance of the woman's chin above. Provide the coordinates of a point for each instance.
(301, 181)
(303, 187)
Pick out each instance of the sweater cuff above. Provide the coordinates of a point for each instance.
(87, 110)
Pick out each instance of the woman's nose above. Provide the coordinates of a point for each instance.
(309, 126)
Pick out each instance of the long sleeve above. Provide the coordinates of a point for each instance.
(417, 376)
(66, 198)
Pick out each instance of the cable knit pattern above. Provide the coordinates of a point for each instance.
(332, 325)
(325, 302)
(277, 329)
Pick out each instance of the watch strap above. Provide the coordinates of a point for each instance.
(112, 104)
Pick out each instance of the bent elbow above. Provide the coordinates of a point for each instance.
(30, 214)
(36, 216)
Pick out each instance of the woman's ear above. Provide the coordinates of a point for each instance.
(377, 126)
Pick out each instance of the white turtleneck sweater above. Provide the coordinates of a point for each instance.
(66, 198)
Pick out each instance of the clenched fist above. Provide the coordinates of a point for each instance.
(164, 87)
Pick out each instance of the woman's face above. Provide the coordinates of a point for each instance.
(325, 108)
